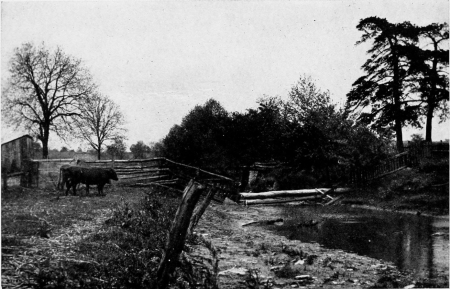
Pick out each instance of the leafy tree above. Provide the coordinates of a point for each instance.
(384, 89)
(64, 149)
(43, 91)
(316, 126)
(255, 135)
(139, 150)
(117, 149)
(433, 79)
(198, 139)
(100, 120)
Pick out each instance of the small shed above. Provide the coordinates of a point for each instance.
(15, 152)
(16, 156)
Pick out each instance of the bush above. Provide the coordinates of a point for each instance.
(289, 179)
(434, 165)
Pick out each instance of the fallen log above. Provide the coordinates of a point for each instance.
(264, 222)
(342, 190)
(279, 194)
(277, 201)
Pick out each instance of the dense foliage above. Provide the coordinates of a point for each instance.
(117, 149)
(139, 150)
(306, 133)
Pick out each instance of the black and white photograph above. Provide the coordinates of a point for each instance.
(225, 144)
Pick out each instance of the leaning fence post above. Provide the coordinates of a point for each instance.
(199, 210)
(178, 232)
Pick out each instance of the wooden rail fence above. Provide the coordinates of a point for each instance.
(411, 157)
(139, 173)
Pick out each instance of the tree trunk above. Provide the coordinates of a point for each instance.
(431, 98)
(429, 124)
(244, 178)
(397, 105)
(399, 133)
(44, 140)
(99, 155)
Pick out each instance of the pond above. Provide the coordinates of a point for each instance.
(411, 242)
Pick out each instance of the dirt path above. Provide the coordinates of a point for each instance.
(249, 254)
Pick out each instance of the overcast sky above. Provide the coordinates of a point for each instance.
(157, 60)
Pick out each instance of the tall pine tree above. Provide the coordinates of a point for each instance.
(381, 93)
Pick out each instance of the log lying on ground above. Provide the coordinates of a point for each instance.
(279, 194)
(264, 222)
(342, 190)
(277, 201)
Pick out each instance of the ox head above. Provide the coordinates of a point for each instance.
(112, 174)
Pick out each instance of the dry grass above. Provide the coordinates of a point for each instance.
(112, 241)
(41, 233)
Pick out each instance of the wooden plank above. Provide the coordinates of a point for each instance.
(391, 172)
(325, 195)
(278, 194)
(132, 170)
(342, 190)
(143, 177)
(278, 201)
(199, 170)
(333, 201)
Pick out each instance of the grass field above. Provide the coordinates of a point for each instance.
(112, 241)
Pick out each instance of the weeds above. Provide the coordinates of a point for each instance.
(112, 242)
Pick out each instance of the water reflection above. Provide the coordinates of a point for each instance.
(411, 242)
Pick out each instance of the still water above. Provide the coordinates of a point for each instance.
(411, 242)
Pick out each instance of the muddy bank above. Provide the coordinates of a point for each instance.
(251, 254)
(410, 191)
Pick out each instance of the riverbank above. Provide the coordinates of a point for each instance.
(411, 191)
(253, 254)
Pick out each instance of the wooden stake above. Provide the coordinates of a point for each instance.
(177, 235)
(199, 210)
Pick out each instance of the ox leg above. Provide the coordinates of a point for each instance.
(74, 188)
(67, 187)
(100, 189)
(87, 190)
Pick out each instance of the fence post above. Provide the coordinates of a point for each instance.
(177, 234)
(199, 210)
(4, 179)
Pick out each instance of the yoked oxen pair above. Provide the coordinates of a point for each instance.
(74, 175)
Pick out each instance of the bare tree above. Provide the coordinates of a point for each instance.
(100, 121)
(43, 91)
